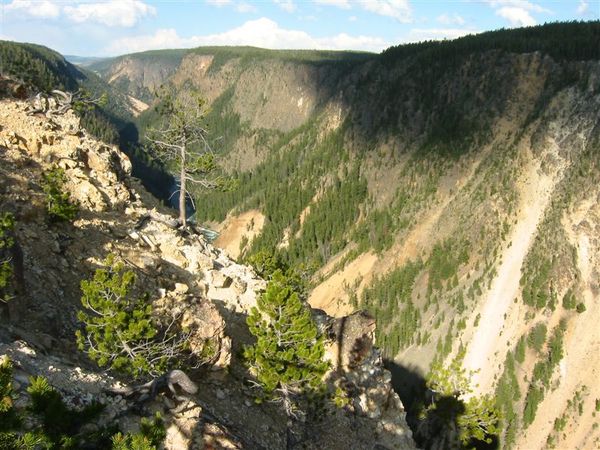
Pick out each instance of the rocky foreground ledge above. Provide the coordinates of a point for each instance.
(183, 273)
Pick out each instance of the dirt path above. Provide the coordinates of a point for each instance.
(487, 347)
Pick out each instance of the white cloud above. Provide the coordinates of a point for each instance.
(352, 18)
(397, 9)
(241, 7)
(41, 9)
(518, 17)
(523, 4)
(163, 38)
(287, 5)
(219, 3)
(344, 4)
(123, 13)
(344, 41)
(583, 7)
(519, 13)
(244, 7)
(437, 34)
(447, 19)
(262, 32)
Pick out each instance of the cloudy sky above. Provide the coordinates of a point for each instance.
(112, 27)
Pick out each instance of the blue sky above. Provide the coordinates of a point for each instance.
(112, 27)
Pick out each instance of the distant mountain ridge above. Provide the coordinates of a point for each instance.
(83, 61)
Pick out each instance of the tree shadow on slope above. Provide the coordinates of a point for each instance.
(227, 399)
(434, 428)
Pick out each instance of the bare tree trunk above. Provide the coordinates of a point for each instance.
(182, 190)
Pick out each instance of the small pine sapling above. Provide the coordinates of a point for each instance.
(120, 331)
(150, 437)
(8, 416)
(287, 359)
(59, 205)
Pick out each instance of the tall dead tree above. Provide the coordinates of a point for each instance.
(180, 142)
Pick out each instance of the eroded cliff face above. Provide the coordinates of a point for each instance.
(274, 93)
(139, 79)
(184, 275)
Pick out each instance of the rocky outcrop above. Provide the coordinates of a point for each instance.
(188, 279)
(357, 367)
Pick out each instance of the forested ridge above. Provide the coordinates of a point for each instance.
(568, 41)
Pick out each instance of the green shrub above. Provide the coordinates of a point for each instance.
(542, 373)
(520, 350)
(59, 206)
(507, 393)
(7, 223)
(8, 417)
(266, 263)
(119, 329)
(569, 301)
(26, 441)
(151, 435)
(389, 300)
(445, 260)
(477, 420)
(580, 307)
(535, 395)
(560, 423)
(537, 337)
(60, 423)
(61, 426)
(130, 441)
(287, 359)
(11, 437)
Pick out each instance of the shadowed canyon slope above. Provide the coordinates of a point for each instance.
(450, 188)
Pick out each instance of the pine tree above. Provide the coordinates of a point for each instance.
(287, 359)
(119, 329)
(181, 142)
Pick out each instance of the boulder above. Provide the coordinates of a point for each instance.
(201, 318)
